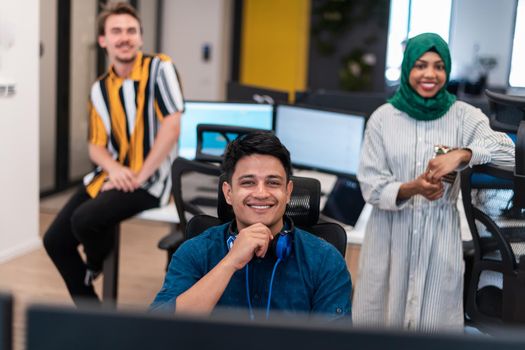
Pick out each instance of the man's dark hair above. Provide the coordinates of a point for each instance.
(257, 142)
(115, 8)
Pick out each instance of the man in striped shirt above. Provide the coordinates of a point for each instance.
(134, 124)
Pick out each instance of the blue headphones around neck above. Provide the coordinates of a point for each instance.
(281, 245)
(282, 248)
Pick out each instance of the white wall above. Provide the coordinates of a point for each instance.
(488, 24)
(187, 25)
(148, 16)
(19, 132)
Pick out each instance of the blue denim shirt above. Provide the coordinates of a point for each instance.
(313, 279)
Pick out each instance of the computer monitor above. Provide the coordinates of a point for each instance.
(6, 321)
(64, 329)
(321, 139)
(250, 93)
(250, 115)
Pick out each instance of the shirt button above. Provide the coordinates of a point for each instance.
(338, 310)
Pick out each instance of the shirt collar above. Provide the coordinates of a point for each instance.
(136, 72)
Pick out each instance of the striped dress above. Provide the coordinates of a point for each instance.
(411, 267)
(125, 116)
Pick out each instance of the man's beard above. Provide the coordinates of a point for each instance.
(126, 60)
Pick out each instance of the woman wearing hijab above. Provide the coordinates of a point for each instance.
(411, 266)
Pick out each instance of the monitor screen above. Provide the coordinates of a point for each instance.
(320, 139)
(53, 327)
(251, 115)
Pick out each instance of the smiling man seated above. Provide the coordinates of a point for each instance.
(259, 261)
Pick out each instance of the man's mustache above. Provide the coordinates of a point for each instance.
(124, 43)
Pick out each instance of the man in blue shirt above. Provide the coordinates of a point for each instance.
(259, 260)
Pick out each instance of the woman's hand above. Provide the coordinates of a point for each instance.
(444, 164)
(421, 186)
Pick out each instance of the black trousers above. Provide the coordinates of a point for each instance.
(90, 222)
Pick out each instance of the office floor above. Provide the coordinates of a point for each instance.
(32, 278)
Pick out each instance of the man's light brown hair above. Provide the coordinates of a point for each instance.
(118, 8)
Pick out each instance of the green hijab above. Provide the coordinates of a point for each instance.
(408, 100)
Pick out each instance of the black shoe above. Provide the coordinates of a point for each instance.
(91, 275)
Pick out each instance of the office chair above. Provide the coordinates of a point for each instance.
(193, 190)
(508, 115)
(303, 209)
(201, 178)
(497, 281)
(493, 202)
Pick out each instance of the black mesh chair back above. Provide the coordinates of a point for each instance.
(303, 209)
(497, 281)
(194, 188)
(506, 111)
(507, 114)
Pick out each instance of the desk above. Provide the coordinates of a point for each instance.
(167, 213)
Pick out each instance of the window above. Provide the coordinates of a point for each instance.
(409, 18)
(517, 69)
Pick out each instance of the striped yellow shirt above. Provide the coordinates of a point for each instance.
(125, 115)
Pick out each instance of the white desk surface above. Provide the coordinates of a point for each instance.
(167, 213)
(356, 234)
